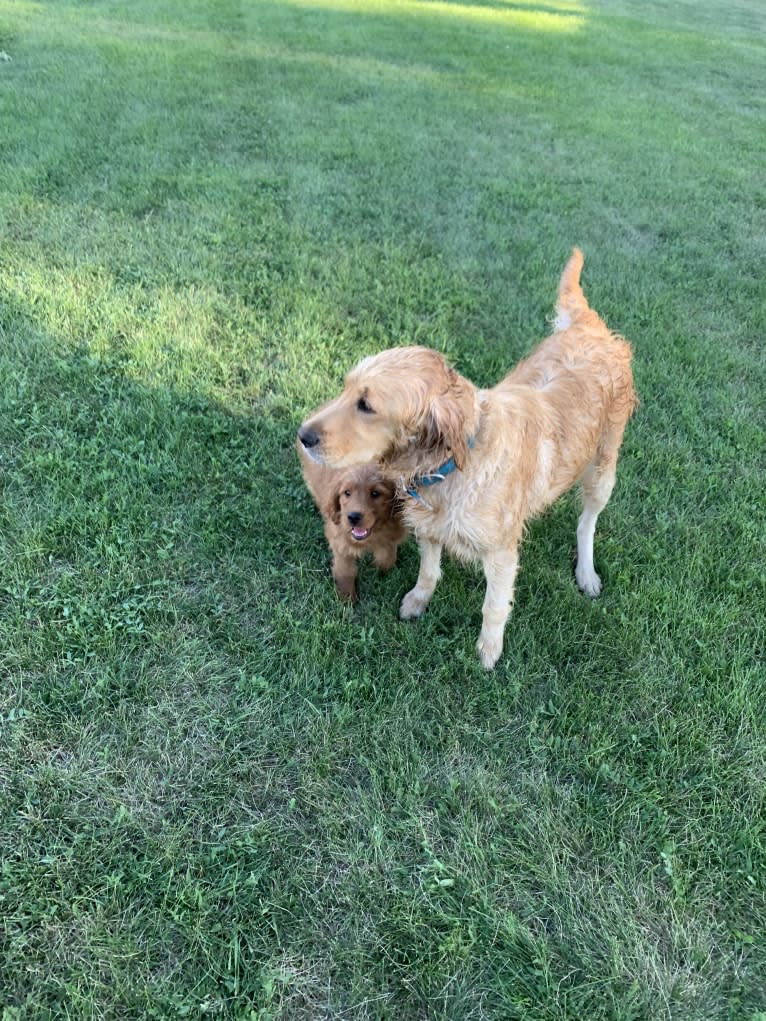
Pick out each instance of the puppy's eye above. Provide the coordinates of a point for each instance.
(347, 492)
(364, 407)
(374, 494)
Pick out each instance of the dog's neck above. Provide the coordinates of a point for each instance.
(421, 482)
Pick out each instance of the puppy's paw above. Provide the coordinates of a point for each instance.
(413, 604)
(588, 581)
(490, 649)
(346, 590)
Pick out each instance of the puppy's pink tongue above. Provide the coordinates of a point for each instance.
(360, 533)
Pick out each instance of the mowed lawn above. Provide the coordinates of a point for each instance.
(224, 795)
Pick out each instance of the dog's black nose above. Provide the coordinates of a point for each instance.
(308, 437)
(354, 517)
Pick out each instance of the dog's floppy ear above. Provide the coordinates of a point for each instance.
(388, 491)
(445, 422)
(330, 507)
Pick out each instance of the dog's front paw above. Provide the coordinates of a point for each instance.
(413, 605)
(588, 582)
(490, 649)
(346, 589)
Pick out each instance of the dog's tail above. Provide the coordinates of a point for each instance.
(571, 303)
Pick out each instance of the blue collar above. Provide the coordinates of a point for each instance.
(422, 481)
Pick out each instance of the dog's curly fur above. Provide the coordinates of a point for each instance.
(361, 514)
(557, 419)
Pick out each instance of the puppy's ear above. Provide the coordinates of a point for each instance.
(388, 492)
(330, 507)
(445, 422)
(396, 506)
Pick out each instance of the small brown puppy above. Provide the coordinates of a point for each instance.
(361, 515)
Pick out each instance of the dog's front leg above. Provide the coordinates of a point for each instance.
(385, 557)
(500, 571)
(417, 599)
(344, 571)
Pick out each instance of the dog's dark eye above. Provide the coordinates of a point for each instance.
(364, 407)
(374, 494)
(347, 492)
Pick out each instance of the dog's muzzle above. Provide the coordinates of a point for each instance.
(310, 441)
(308, 438)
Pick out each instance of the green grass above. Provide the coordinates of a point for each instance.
(221, 793)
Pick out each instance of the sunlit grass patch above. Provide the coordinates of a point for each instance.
(528, 15)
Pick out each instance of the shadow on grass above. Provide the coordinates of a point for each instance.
(140, 516)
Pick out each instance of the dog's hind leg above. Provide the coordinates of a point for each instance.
(417, 599)
(597, 485)
(500, 571)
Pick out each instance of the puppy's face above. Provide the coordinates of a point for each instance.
(390, 401)
(364, 501)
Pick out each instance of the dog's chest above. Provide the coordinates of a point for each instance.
(454, 524)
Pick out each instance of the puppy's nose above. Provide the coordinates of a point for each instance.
(354, 517)
(308, 437)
